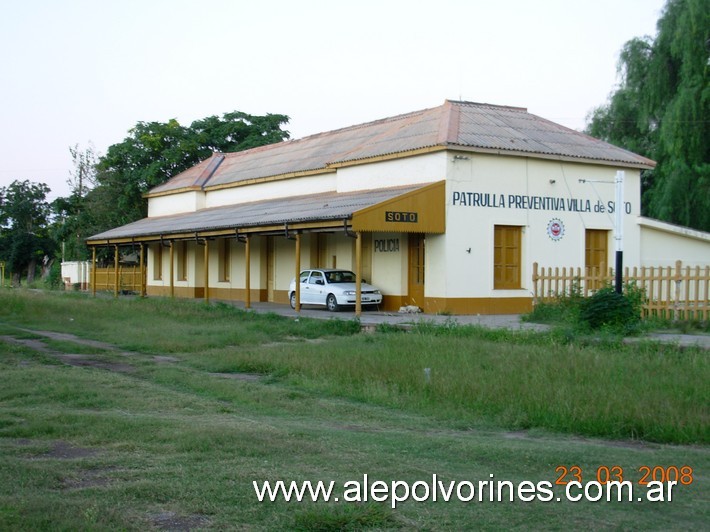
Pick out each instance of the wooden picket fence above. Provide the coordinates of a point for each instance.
(129, 279)
(676, 293)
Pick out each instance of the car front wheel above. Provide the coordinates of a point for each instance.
(331, 303)
(292, 300)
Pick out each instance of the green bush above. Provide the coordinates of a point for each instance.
(609, 309)
(617, 313)
(53, 281)
(563, 309)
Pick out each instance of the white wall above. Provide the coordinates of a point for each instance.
(389, 264)
(176, 203)
(487, 190)
(76, 272)
(271, 189)
(425, 168)
(663, 244)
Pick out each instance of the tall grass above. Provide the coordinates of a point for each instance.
(477, 377)
(519, 381)
(158, 325)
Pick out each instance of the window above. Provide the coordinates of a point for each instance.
(304, 276)
(182, 261)
(340, 276)
(158, 262)
(316, 278)
(225, 259)
(506, 257)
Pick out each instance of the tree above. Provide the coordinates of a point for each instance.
(155, 151)
(662, 110)
(24, 219)
(83, 177)
(72, 220)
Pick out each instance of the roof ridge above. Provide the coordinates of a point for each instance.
(210, 169)
(449, 124)
(490, 105)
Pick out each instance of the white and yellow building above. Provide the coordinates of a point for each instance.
(445, 208)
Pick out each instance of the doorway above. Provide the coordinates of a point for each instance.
(596, 254)
(416, 269)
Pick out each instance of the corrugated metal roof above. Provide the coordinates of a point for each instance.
(514, 129)
(310, 208)
(454, 124)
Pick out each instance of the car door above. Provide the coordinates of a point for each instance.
(316, 288)
(303, 279)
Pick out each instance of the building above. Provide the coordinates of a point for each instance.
(446, 208)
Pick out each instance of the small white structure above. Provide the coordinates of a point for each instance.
(76, 274)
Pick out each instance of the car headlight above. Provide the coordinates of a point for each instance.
(349, 292)
(377, 292)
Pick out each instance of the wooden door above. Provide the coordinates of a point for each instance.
(596, 255)
(507, 257)
(416, 269)
(596, 248)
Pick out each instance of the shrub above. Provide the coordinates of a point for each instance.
(53, 280)
(618, 313)
(564, 308)
(607, 308)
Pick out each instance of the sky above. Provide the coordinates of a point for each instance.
(80, 72)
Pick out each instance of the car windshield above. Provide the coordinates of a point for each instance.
(340, 277)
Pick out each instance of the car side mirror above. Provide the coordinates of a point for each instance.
(319, 281)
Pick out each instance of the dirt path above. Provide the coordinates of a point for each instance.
(68, 337)
(79, 360)
(94, 361)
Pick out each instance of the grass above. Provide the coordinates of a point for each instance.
(494, 378)
(175, 443)
(174, 325)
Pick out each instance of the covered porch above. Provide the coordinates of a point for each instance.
(268, 240)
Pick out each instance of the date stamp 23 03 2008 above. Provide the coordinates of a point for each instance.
(642, 475)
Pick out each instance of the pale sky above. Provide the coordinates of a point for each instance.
(80, 71)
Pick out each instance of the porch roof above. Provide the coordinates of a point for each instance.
(309, 212)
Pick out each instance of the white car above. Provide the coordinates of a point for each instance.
(331, 288)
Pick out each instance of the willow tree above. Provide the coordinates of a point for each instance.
(661, 109)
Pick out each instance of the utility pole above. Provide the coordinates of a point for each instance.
(619, 230)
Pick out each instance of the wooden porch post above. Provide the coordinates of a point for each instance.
(358, 274)
(247, 272)
(172, 268)
(115, 271)
(298, 272)
(93, 271)
(141, 271)
(207, 271)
